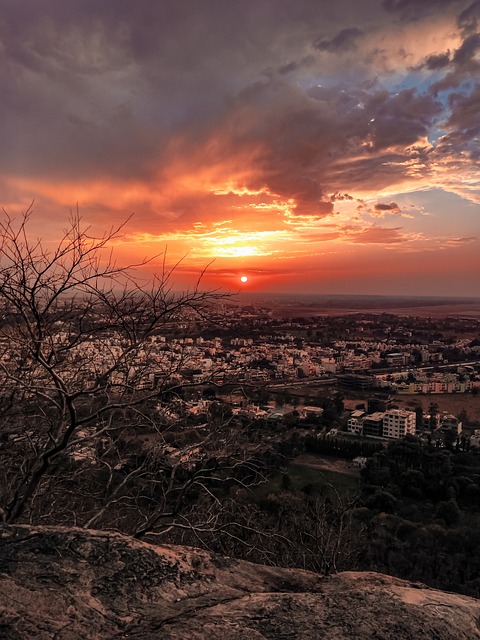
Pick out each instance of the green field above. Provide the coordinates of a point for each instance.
(319, 480)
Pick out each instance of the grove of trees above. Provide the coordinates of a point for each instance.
(421, 507)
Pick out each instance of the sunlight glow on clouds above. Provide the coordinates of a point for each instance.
(328, 136)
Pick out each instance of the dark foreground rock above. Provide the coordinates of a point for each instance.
(66, 584)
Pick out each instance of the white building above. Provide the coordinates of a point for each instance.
(355, 422)
(398, 422)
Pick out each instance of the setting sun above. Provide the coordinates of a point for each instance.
(244, 279)
(295, 151)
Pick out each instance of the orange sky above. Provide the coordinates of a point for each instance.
(311, 146)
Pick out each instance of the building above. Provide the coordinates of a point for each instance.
(398, 422)
(360, 462)
(351, 381)
(450, 424)
(373, 425)
(355, 422)
(311, 412)
(375, 404)
(395, 359)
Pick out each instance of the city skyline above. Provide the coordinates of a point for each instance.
(309, 147)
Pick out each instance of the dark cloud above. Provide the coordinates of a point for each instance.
(340, 196)
(469, 18)
(465, 65)
(295, 65)
(345, 39)
(465, 114)
(391, 207)
(136, 93)
(413, 9)
(437, 61)
(310, 146)
(288, 68)
(466, 52)
(400, 119)
(94, 88)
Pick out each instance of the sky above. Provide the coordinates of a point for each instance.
(312, 146)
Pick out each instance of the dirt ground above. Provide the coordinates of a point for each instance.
(328, 464)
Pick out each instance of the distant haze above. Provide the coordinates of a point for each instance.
(313, 305)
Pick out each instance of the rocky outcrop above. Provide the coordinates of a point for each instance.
(71, 584)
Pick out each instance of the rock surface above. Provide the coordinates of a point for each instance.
(71, 584)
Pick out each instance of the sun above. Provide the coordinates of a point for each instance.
(244, 279)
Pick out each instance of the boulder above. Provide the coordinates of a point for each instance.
(71, 584)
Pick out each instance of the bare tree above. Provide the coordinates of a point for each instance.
(92, 430)
(315, 532)
(81, 370)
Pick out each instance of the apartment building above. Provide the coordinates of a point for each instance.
(398, 422)
(373, 424)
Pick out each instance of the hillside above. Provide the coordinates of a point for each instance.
(71, 584)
